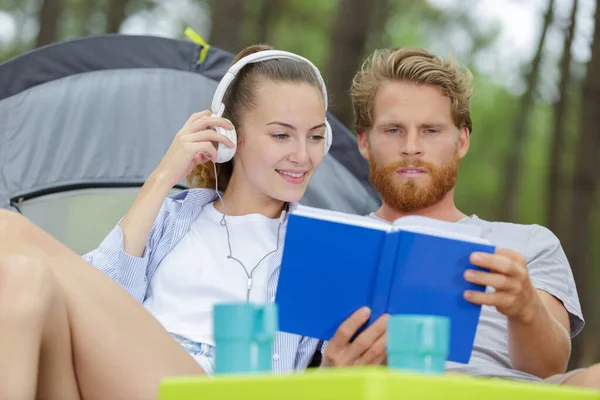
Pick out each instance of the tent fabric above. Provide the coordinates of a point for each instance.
(102, 111)
(101, 127)
(106, 52)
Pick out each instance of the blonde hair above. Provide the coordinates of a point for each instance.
(240, 97)
(416, 66)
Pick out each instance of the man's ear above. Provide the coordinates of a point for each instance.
(363, 144)
(464, 140)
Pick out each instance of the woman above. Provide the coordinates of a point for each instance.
(82, 336)
(182, 255)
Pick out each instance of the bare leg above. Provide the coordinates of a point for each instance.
(117, 350)
(589, 378)
(28, 304)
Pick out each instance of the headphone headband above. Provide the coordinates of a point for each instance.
(224, 153)
(218, 107)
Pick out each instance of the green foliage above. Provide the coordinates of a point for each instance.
(303, 26)
(11, 53)
(480, 171)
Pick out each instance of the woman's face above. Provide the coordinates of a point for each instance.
(282, 140)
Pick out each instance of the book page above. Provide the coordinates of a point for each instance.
(342, 218)
(430, 226)
(415, 223)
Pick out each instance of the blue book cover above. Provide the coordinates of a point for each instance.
(335, 263)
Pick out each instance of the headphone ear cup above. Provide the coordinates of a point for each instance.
(328, 137)
(225, 153)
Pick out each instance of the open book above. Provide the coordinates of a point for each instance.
(335, 263)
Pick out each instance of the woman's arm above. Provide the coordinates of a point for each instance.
(192, 145)
(137, 223)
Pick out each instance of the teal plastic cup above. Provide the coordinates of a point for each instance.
(234, 332)
(418, 343)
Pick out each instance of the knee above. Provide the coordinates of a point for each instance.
(18, 232)
(24, 271)
(26, 285)
(7, 218)
(12, 222)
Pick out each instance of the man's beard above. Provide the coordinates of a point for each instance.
(408, 195)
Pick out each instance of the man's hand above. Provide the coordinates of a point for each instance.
(515, 295)
(538, 323)
(368, 348)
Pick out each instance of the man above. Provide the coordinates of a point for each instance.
(413, 123)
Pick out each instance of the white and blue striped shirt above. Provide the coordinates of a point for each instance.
(290, 352)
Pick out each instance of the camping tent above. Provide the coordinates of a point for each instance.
(83, 123)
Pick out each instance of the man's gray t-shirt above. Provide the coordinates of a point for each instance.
(549, 271)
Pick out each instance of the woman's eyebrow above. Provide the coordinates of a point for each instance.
(293, 127)
(282, 124)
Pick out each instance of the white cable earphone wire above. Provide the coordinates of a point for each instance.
(230, 255)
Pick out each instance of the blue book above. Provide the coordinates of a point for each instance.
(335, 263)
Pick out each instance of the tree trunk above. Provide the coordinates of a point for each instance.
(346, 52)
(226, 29)
(518, 136)
(377, 37)
(555, 178)
(49, 18)
(267, 9)
(585, 182)
(115, 15)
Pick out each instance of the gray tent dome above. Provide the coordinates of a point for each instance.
(84, 122)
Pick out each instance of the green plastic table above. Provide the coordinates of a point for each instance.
(373, 383)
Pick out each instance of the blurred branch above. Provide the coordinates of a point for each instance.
(585, 183)
(48, 20)
(555, 178)
(518, 136)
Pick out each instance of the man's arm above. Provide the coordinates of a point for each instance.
(542, 345)
(538, 324)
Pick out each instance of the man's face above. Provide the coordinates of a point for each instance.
(413, 147)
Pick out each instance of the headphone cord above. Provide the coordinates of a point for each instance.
(230, 256)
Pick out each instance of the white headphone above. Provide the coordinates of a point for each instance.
(225, 153)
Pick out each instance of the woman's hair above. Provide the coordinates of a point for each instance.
(240, 98)
(416, 66)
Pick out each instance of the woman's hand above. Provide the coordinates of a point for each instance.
(194, 144)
